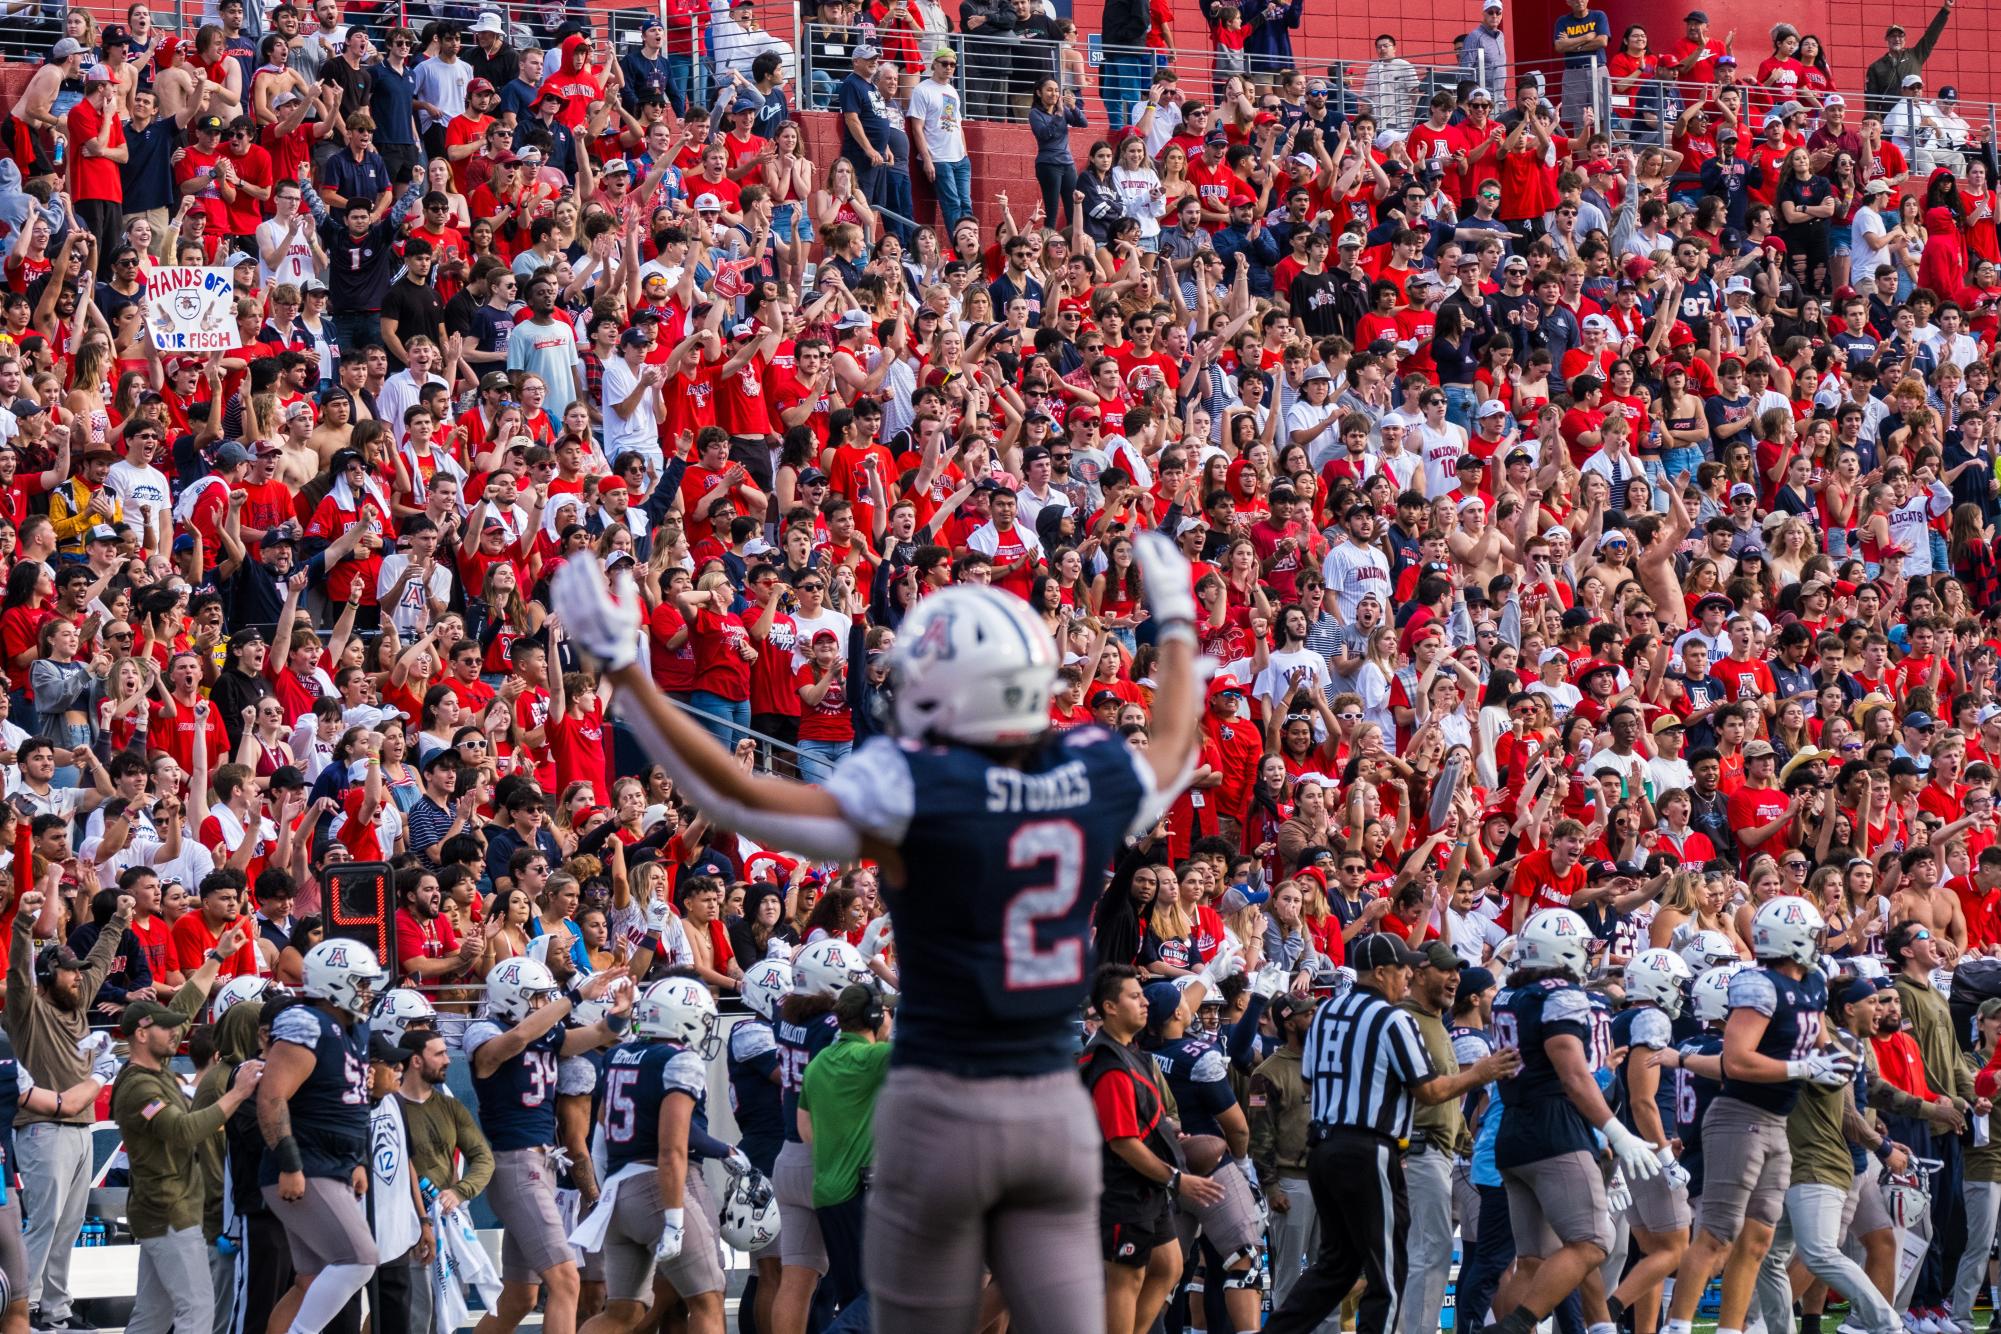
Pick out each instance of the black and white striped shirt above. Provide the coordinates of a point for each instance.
(1363, 1057)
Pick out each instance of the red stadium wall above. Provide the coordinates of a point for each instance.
(1852, 30)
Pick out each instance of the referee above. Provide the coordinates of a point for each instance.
(1366, 1070)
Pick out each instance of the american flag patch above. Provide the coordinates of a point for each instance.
(153, 1109)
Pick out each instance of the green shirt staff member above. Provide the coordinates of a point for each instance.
(162, 1134)
(837, 1118)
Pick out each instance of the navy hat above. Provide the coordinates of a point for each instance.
(1162, 1000)
(1473, 981)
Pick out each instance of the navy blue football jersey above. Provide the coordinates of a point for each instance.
(517, 1102)
(798, 1044)
(1540, 1122)
(756, 1101)
(1643, 1030)
(1001, 869)
(638, 1078)
(330, 1109)
(1794, 1010)
(1199, 1074)
(1692, 1095)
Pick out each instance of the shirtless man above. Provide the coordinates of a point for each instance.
(1923, 899)
(1614, 559)
(1659, 539)
(182, 85)
(299, 459)
(31, 127)
(1478, 546)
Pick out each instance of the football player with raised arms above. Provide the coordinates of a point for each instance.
(1772, 1041)
(993, 833)
(514, 1053)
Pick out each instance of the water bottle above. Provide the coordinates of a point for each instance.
(93, 1232)
(430, 1191)
(60, 152)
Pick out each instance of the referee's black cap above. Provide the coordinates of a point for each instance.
(1382, 950)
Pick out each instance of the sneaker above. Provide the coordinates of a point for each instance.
(1925, 1323)
(71, 1324)
(1911, 1322)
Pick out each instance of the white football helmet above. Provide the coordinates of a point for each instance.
(1709, 949)
(1658, 976)
(680, 1009)
(588, 1012)
(766, 983)
(344, 972)
(1555, 938)
(235, 992)
(749, 1219)
(399, 1008)
(825, 966)
(1787, 927)
(514, 985)
(1709, 997)
(972, 664)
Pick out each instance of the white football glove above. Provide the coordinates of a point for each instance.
(1268, 981)
(1634, 1156)
(1828, 1068)
(673, 1227)
(876, 938)
(1671, 1167)
(604, 622)
(95, 1047)
(738, 1163)
(1229, 961)
(1164, 573)
(1618, 1195)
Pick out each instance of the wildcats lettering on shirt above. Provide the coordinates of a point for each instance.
(1061, 789)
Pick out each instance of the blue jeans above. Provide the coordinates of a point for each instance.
(1679, 459)
(682, 77)
(357, 328)
(1122, 82)
(889, 188)
(954, 185)
(824, 89)
(818, 758)
(717, 713)
(1460, 400)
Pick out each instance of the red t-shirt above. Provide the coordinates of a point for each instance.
(93, 177)
(578, 747)
(1537, 881)
(435, 939)
(193, 940)
(720, 668)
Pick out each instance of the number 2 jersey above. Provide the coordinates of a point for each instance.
(330, 1109)
(1001, 869)
(1540, 1121)
(638, 1078)
(517, 1102)
(1793, 1011)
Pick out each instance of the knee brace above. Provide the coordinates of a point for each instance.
(1249, 1278)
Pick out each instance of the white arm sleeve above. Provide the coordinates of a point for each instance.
(817, 837)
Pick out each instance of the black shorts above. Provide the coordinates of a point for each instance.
(1131, 1224)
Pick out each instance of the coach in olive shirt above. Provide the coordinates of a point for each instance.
(162, 1134)
(1435, 1132)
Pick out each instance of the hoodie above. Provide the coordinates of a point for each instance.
(235, 1042)
(1942, 267)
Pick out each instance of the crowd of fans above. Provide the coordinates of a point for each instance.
(1590, 479)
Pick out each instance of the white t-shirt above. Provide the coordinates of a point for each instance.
(1273, 685)
(1303, 416)
(410, 614)
(1871, 253)
(641, 430)
(1910, 523)
(941, 117)
(143, 491)
(296, 264)
(444, 87)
